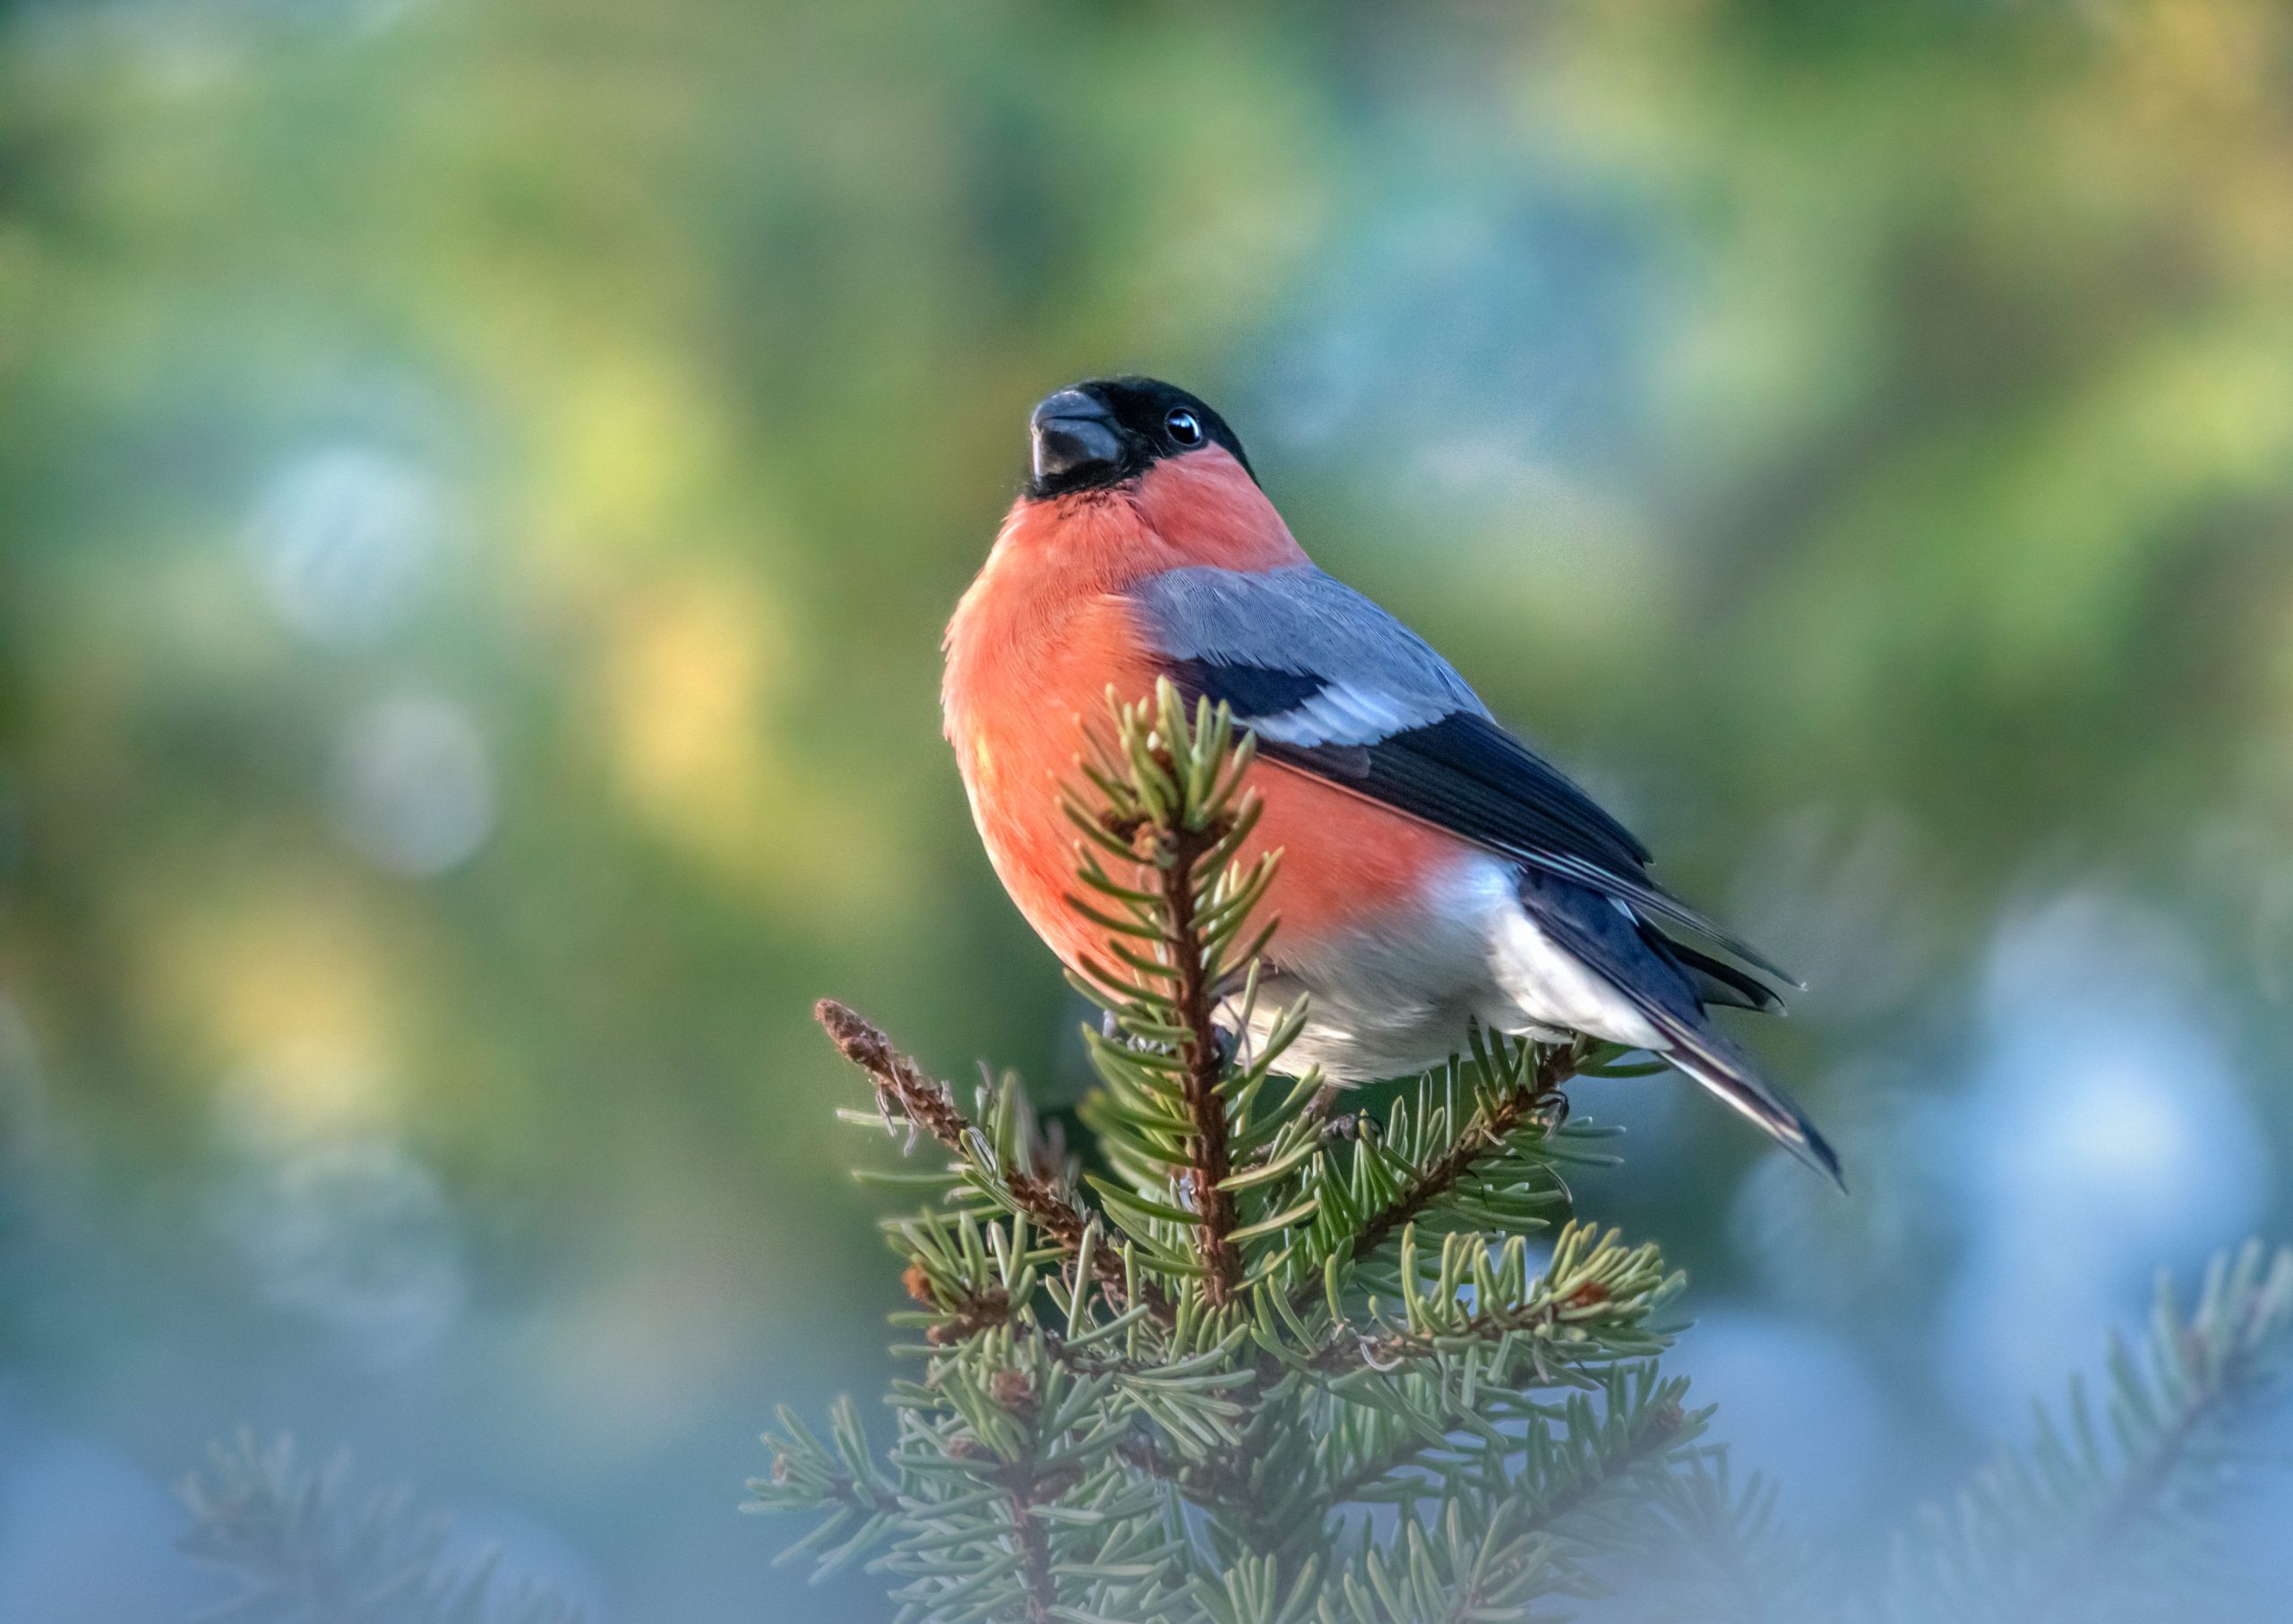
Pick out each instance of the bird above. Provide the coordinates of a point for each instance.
(1435, 871)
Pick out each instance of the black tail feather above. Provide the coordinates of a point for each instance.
(1667, 983)
(1717, 1064)
(1716, 981)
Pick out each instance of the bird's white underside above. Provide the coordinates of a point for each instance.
(1399, 998)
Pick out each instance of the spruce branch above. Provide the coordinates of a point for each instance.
(1204, 1072)
(1530, 1099)
(1172, 802)
(905, 1093)
(1156, 1395)
(1541, 1503)
(304, 1552)
(2104, 1515)
(1269, 1365)
(1643, 1426)
(1034, 1544)
(840, 1478)
(1709, 1548)
(1576, 1455)
(1466, 1564)
(907, 1096)
(1591, 1305)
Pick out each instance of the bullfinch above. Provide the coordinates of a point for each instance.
(1435, 872)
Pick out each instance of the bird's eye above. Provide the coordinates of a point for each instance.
(1185, 427)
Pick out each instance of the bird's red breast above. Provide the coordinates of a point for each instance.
(1043, 632)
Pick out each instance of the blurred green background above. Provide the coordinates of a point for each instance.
(481, 482)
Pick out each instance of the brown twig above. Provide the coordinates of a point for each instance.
(1324, 1101)
(1029, 1486)
(1212, 1161)
(904, 1092)
(1034, 1559)
(967, 1316)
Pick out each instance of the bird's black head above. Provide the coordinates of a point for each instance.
(1094, 435)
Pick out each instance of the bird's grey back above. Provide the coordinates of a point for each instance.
(1296, 619)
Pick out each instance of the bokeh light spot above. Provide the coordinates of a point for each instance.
(413, 787)
(343, 538)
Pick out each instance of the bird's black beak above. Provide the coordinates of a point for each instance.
(1074, 435)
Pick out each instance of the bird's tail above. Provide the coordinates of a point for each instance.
(1668, 984)
(1715, 980)
(1727, 1071)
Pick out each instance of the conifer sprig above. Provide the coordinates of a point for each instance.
(2105, 1516)
(302, 1550)
(1163, 1392)
(1274, 1364)
(1164, 805)
(1012, 1168)
(1513, 1106)
(1709, 1547)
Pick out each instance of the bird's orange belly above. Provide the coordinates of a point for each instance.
(1346, 864)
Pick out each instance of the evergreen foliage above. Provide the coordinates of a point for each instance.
(1278, 1365)
(304, 1552)
(1271, 1364)
(2110, 1515)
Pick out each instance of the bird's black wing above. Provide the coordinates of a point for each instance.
(1334, 686)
